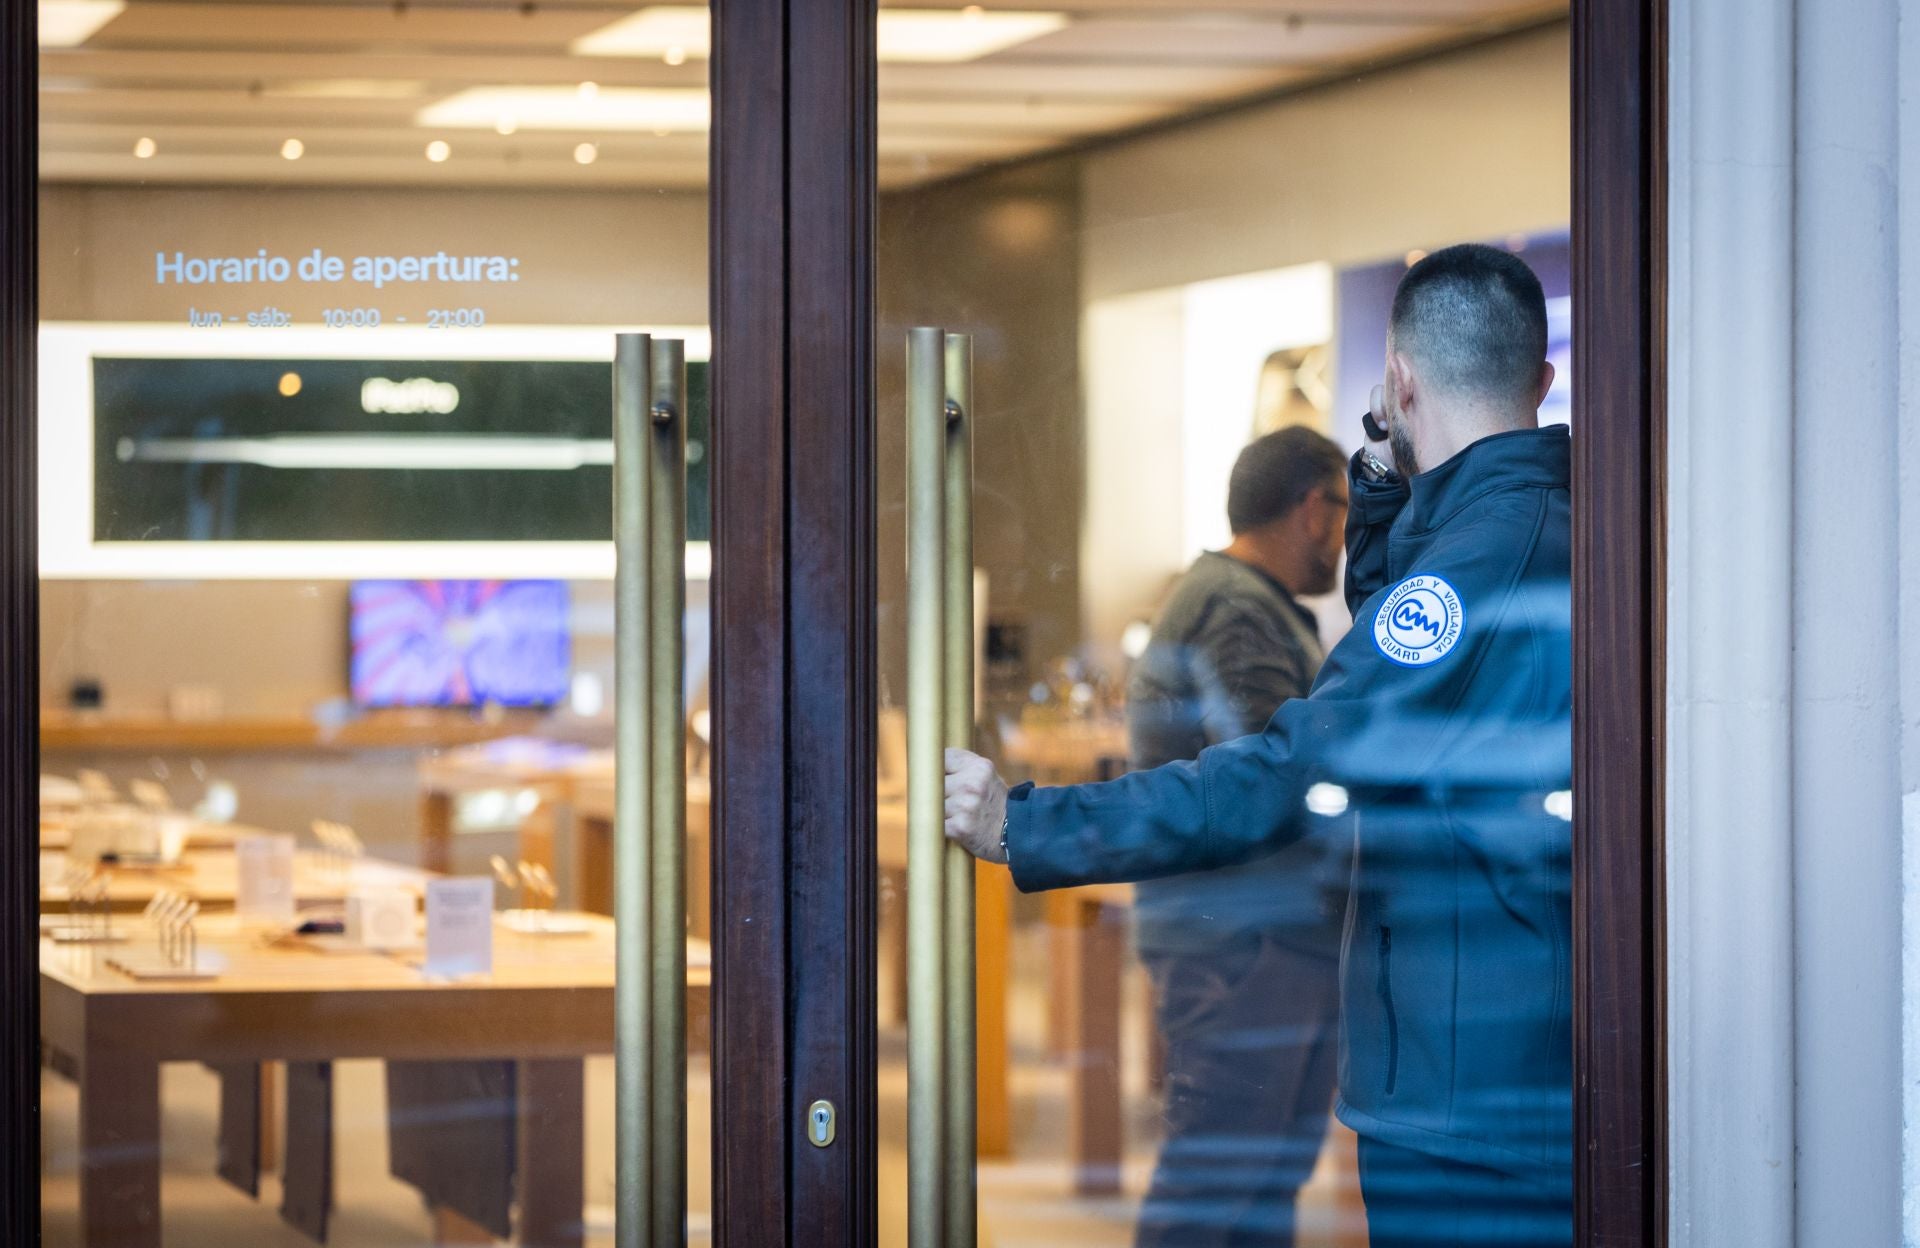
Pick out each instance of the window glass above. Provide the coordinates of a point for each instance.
(1313, 987)
(330, 294)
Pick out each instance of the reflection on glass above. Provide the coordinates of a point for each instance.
(328, 616)
(1313, 987)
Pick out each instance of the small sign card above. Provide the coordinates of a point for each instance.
(265, 889)
(381, 918)
(460, 926)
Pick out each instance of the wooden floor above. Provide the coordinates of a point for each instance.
(1026, 1201)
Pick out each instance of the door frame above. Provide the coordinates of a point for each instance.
(822, 113)
(793, 595)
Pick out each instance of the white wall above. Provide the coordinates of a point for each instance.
(1794, 580)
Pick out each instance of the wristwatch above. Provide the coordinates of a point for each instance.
(1372, 466)
(1006, 821)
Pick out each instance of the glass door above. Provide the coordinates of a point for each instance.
(1148, 267)
(375, 810)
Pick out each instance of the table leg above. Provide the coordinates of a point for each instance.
(451, 1228)
(552, 1152)
(594, 864)
(1095, 1132)
(1062, 944)
(993, 936)
(119, 1150)
(436, 831)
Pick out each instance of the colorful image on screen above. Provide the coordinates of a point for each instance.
(459, 643)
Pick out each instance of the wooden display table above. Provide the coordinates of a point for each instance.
(547, 1005)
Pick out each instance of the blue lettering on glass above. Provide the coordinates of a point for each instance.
(1419, 622)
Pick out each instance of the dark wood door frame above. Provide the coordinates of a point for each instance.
(1619, 592)
(19, 628)
(793, 600)
(793, 608)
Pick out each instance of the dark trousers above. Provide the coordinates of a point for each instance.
(1416, 1200)
(1251, 1031)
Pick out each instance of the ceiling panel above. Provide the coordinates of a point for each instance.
(219, 86)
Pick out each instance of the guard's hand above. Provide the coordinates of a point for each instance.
(976, 806)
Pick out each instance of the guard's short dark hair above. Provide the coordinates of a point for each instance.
(1475, 317)
(1275, 472)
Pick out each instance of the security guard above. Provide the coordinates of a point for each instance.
(1438, 734)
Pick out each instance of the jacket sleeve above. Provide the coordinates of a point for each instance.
(1371, 509)
(1370, 722)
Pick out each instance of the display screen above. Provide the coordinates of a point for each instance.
(459, 643)
(364, 450)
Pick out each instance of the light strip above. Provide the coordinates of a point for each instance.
(671, 32)
(375, 451)
(566, 108)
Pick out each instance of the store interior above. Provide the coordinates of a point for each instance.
(1166, 228)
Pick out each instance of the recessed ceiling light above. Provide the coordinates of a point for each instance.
(588, 90)
(1415, 257)
(438, 150)
(506, 125)
(289, 384)
(923, 35)
(293, 149)
(563, 108)
(70, 23)
(675, 55)
(927, 35)
(586, 154)
(145, 148)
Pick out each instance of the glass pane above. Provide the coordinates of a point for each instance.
(330, 294)
(1313, 987)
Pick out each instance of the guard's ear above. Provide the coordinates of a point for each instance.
(1546, 383)
(1406, 389)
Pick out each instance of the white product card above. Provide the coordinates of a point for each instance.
(381, 918)
(265, 889)
(460, 926)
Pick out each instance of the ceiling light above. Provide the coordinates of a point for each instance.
(902, 34)
(1415, 257)
(293, 149)
(70, 23)
(586, 154)
(933, 35)
(588, 90)
(289, 384)
(563, 108)
(145, 148)
(438, 151)
(506, 125)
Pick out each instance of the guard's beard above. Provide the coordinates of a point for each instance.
(1402, 443)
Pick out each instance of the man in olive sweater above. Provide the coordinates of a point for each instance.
(1245, 959)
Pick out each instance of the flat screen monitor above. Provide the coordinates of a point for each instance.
(459, 643)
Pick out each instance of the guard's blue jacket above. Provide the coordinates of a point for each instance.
(1439, 733)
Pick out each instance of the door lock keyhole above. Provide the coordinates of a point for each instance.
(820, 1123)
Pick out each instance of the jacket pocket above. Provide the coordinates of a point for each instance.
(1386, 1000)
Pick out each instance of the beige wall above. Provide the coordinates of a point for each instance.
(995, 257)
(586, 257)
(1468, 146)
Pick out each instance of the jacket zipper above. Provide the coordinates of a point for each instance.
(1393, 1018)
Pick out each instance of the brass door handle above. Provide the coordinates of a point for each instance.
(650, 902)
(941, 1048)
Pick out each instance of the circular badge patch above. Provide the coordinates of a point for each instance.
(1420, 621)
